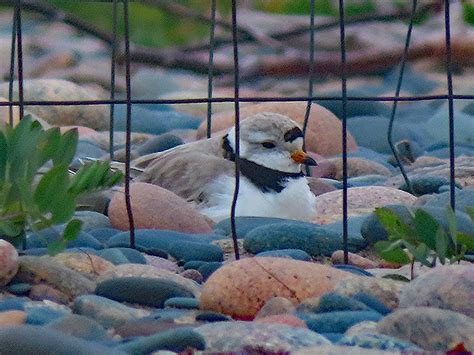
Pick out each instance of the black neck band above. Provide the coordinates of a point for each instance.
(264, 178)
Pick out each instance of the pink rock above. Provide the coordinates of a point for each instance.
(318, 186)
(12, 318)
(84, 132)
(338, 258)
(156, 208)
(8, 262)
(287, 319)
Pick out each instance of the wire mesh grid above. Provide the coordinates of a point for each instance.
(16, 52)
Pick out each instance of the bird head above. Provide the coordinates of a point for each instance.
(272, 140)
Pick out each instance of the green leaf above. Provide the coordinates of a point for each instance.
(396, 255)
(114, 179)
(470, 212)
(63, 210)
(51, 189)
(3, 157)
(426, 227)
(48, 145)
(10, 228)
(465, 239)
(66, 148)
(396, 277)
(393, 223)
(72, 229)
(56, 247)
(441, 244)
(421, 253)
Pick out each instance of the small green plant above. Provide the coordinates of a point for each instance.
(37, 190)
(422, 239)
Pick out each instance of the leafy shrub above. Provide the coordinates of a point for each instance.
(422, 239)
(37, 190)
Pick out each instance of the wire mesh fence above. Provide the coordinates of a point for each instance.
(115, 42)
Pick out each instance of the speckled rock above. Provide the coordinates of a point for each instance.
(324, 134)
(44, 269)
(84, 262)
(257, 337)
(286, 319)
(449, 287)
(378, 341)
(361, 200)
(339, 349)
(148, 271)
(354, 259)
(156, 208)
(8, 262)
(429, 328)
(359, 167)
(241, 288)
(11, 318)
(95, 116)
(161, 263)
(42, 292)
(274, 306)
(385, 290)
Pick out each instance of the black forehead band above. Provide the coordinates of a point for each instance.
(293, 134)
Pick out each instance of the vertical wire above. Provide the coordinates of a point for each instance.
(237, 129)
(12, 68)
(211, 67)
(19, 56)
(128, 126)
(344, 130)
(397, 95)
(449, 73)
(311, 79)
(112, 78)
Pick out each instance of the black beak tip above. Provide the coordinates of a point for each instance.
(310, 161)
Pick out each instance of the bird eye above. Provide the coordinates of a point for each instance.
(268, 145)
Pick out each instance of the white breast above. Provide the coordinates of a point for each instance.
(295, 201)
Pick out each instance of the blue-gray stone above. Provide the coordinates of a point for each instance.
(208, 316)
(132, 256)
(443, 151)
(28, 339)
(413, 82)
(88, 149)
(312, 238)
(372, 302)
(378, 126)
(19, 289)
(154, 122)
(176, 340)
(425, 184)
(464, 199)
(367, 180)
(295, 254)
(370, 154)
(331, 302)
(106, 312)
(92, 220)
(13, 304)
(40, 315)
(356, 108)
(158, 239)
(337, 322)
(114, 255)
(159, 143)
(244, 224)
(333, 337)
(186, 251)
(170, 313)
(194, 264)
(378, 341)
(104, 234)
(35, 251)
(182, 302)
(208, 269)
(437, 128)
(354, 269)
(141, 290)
(44, 237)
(354, 224)
(79, 326)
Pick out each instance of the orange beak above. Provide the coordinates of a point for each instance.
(301, 157)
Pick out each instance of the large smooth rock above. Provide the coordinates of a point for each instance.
(8, 262)
(93, 116)
(324, 134)
(29, 339)
(449, 287)
(252, 337)
(429, 328)
(241, 288)
(359, 167)
(313, 239)
(148, 271)
(156, 208)
(360, 200)
(141, 290)
(107, 312)
(84, 262)
(44, 269)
